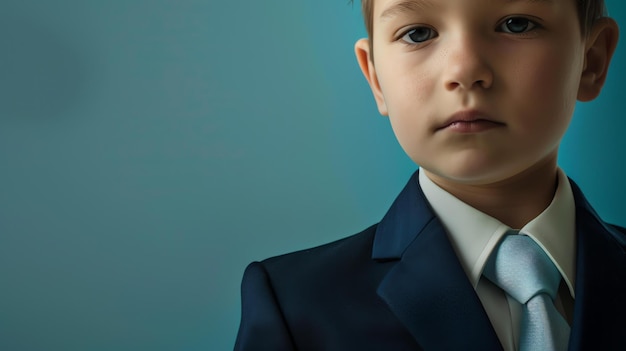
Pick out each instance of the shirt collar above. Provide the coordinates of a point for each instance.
(474, 234)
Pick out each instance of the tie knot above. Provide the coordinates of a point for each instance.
(522, 269)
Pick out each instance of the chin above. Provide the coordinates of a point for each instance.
(471, 174)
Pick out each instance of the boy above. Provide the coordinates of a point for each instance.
(479, 93)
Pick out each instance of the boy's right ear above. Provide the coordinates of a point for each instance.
(363, 55)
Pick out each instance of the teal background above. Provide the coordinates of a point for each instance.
(149, 150)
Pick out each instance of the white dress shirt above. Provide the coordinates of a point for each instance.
(474, 235)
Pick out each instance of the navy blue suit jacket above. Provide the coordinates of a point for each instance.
(399, 285)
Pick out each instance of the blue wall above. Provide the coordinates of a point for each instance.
(149, 150)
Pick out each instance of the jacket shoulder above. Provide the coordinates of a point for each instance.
(354, 248)
(619, 233)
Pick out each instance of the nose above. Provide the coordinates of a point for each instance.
(467, 65)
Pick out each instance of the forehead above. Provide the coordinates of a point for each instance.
(385, 9)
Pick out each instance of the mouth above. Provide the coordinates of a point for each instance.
(470, 121)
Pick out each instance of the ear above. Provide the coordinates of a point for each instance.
(364, 57)
(599, 49)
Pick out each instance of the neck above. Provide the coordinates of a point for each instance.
(514, 201)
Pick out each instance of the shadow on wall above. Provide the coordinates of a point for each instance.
(42, 74)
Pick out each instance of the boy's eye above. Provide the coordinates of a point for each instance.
(517, 25)
(419, 35)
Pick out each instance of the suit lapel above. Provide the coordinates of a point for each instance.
(427, 288)
(600, 306)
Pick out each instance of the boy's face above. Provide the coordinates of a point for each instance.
(477, 91)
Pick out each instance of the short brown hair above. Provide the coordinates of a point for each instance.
(589, 11)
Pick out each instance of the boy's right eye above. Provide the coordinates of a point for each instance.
(419, 35)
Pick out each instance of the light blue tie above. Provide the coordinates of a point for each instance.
(523, 270)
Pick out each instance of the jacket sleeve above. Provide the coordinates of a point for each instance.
(262, 323)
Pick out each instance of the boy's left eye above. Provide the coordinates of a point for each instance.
(517, 25)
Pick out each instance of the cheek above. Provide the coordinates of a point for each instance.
(406, 85)
(548, 87)
(559, 80)
(410, 102)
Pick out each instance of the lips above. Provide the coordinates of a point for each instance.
(469, 121)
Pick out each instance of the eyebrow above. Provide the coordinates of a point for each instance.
(408, 6)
